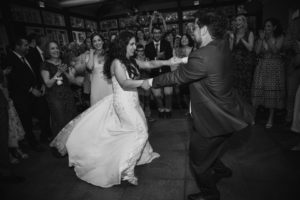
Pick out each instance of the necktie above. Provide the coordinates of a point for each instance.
(156, 47)
(42, 56)
(26, 63)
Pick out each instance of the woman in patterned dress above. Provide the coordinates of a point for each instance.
(59, 95)
(269, 76)
(241, 44)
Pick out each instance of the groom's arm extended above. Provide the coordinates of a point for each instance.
(195, 69)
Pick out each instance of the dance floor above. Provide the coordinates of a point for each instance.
(263, 169)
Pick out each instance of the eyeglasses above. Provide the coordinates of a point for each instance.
(140, 50)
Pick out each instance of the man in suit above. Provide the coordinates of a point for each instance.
(35, 57)
(160, 49)
(23, 88)
(217, 111)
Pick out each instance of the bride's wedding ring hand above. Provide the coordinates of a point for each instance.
(145, 85)
(175, 61)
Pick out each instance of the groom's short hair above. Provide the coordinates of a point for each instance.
(216, 22)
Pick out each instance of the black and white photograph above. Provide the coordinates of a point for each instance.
(150, 100)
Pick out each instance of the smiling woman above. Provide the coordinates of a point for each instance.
(58, 92)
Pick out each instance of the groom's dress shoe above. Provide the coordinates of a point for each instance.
(221, 171)
(202, 196)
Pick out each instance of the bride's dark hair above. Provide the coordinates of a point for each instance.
(117, 50)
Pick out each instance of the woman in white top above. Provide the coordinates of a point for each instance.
(100, 85)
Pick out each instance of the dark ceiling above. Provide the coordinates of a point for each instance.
(102, 8)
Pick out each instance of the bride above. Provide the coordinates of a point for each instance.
(107, 141)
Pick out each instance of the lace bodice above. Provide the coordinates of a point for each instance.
(124, 96)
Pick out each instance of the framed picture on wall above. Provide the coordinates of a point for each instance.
(54, 19)
(188, 14)
(78, 36)
(25, 14)
(91, 25)
(58, 35)
(77, 22)
(171, 17)
(36, 30)
(228, 10)
(114, 32)
(105, 34)
(109, 24)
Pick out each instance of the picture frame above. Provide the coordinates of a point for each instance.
(25, 14)
(109, 24)
(58, 35)
(188, 14)
(35, 30)
(91, 25)
(79, 36)
(53, 19)
(77, 22)
(171, 16)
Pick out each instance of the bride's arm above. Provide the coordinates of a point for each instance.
(158, 63)
(120, 72)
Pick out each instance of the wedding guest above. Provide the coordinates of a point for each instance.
(184, 50)
(144, 95)
(23, 89)
(15, 129)
(160, 49)
(35, 57)
(100, 85)
(58, 80)
(269, 77)
(292, 49)
(243, 57)
(6, 174)
(141, 38)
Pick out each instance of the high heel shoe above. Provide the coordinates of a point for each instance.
(269, 125)
(13, 160)
(21, 154)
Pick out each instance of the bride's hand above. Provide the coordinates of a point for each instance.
(175, 61)
(145, 85)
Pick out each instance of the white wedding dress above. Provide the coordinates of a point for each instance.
(107, 141)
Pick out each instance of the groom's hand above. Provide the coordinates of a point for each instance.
(145, 85)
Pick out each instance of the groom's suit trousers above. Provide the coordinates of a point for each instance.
(204, 152)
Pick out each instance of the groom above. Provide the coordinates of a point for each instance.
(217, 111)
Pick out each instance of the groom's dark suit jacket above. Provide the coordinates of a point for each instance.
(216, 107)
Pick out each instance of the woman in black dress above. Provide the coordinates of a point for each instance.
(241, 44)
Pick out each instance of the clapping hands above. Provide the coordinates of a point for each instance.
(62, 68)
(261, 34)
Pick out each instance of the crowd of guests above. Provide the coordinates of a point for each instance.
(53, 84)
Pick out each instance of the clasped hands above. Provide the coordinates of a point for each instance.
(173, 61)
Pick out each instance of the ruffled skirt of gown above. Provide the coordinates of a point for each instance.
(104, 145)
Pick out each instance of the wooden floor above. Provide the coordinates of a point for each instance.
(263, 169)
